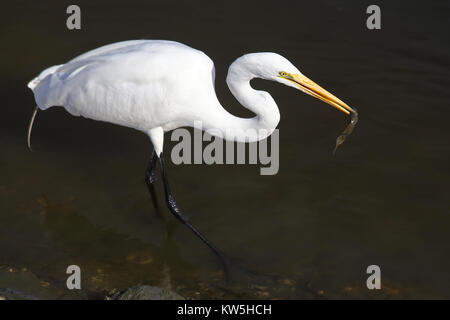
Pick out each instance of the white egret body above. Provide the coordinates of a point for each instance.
(155, 86)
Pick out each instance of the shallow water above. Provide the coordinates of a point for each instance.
(308, 232)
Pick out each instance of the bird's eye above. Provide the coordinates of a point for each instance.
(283, 74)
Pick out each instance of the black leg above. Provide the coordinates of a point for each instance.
(173, 207)
(150, 179)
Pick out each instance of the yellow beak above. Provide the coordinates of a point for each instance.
(310, 87)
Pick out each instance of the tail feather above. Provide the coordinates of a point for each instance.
(30, 126)
(32, 85)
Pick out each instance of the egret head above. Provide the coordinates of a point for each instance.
(272, 66)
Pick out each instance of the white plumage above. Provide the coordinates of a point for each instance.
(155, 86)
(138, 84)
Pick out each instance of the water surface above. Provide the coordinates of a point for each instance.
(308, 232)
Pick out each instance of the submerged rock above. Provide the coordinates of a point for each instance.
(22, 284)
(146, 293)
(11, 294)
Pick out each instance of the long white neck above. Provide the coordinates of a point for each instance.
(229, 127)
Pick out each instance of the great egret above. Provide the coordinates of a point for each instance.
(155, 86)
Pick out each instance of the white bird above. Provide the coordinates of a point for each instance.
(155, 86)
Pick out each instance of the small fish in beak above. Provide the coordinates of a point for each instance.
(348, 130)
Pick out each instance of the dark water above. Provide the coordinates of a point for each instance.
(308, 232)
